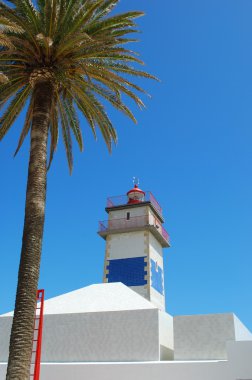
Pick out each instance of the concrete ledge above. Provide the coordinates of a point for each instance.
(211, 370)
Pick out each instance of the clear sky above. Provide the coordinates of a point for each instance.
(192, 148)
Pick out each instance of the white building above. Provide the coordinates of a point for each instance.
(120, 329)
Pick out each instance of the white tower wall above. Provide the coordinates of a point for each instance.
(134, 212)
(124, 245)
(156, 256)
(127, 245)
(133, 234)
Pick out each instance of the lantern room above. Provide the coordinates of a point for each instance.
(135, 195)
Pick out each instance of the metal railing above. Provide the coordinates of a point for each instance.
(133, 222)
(165, 234)
(121, 200)
(37, 336)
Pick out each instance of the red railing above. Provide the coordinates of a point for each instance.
(155, 203)
(133, 222)
(37, 336)
(165, 234)
(121, 200)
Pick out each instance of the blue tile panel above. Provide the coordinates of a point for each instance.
(157, 278)
(129, 271)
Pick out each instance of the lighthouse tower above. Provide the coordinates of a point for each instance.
(135, 238)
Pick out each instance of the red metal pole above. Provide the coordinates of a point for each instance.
(40, 298)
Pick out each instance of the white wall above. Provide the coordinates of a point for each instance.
(166, 337)
(134, 211)
(125, 245)
(130, 335)
(142, 290)
(5, 329)
(143, 371)
(202, 337)
(157, 299)
(238, 366)
(156, 254)
(240, 359)
(156, 251)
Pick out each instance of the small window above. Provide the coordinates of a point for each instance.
(156, 266)
(128, 216)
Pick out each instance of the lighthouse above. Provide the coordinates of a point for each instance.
(135, 238)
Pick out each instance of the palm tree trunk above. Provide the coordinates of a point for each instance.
(22, 328)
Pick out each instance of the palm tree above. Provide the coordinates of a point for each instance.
(60, 58)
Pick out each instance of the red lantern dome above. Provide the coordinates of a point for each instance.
(135, 195)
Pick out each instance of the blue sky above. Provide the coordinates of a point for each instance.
(192, 148)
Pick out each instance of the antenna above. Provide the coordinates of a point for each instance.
(135, 181)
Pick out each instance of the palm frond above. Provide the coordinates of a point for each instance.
(110, 96)
(26, 10)
(85, 17)
(14, 17)
(54, 132)
(8, 26)
(119, 21)
(80, 103)
(13, 110)
(5, 41)
(73, 121)
(106, 8)
(10, 88)
(66, 133)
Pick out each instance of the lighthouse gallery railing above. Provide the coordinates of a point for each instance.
(121, 200)
(133, 222)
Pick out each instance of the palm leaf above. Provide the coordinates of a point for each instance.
(85, 17)
(119, 21)
(13, 110)
(106, 8)
(8, 26)
(80, 103)
(9, 89)
(11, 15)
(108, 95)
(54, 133)
(27, 10)
(73, 121)
(5, 41)
(66, 134)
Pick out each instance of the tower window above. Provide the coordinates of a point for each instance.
(128, 216)
(156, 266)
